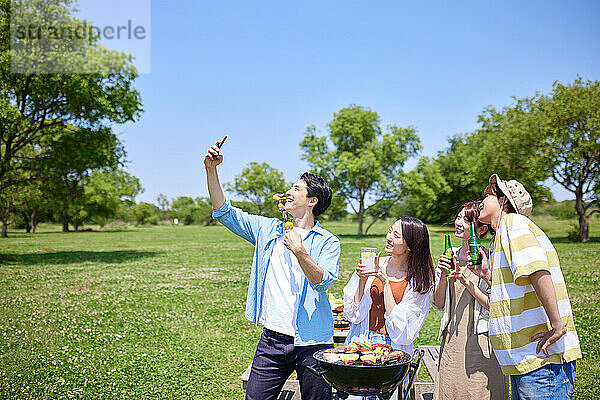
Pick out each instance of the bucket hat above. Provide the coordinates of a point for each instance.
(515, 193)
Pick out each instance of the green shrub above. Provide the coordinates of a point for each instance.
(573, 234)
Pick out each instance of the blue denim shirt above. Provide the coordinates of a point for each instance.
(314, 320)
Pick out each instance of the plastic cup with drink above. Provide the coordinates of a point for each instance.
(367, 256)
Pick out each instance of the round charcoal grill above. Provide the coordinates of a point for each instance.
(370, 381)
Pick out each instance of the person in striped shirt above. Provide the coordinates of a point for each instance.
(531, 326)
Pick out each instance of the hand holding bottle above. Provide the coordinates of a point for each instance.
(483, 271)
(213, 156)
(445, 264)
(448, 254)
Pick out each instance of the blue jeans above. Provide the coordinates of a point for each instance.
(550, 382)
(275, 359)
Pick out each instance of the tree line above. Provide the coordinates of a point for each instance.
(535, 140)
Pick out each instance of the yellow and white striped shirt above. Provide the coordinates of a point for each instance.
(516, 313)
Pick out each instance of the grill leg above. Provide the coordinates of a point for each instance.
(412, 394)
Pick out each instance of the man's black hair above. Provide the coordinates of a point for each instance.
(317, 187)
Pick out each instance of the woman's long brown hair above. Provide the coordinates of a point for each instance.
(420, 263)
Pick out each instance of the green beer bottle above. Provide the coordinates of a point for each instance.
(448, 252)
(474, 244)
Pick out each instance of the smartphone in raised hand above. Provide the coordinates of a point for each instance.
(220, 145)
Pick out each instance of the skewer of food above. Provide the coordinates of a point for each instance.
(287, 223)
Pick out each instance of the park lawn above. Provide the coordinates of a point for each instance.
(157, 312)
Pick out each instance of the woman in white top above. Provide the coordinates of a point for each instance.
(389, 305)
(467, 367)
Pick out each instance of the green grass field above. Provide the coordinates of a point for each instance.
(157, 312)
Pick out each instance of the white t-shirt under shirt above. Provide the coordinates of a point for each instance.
(282, 288)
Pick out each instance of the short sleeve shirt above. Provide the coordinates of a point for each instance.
(516, 313)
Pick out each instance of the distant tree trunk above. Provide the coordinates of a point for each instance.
(584, 225)
(65, 220)
(5, 222)
(360, 214)
(76, 224)
(375, 219)
(27, 223)
(33, 221)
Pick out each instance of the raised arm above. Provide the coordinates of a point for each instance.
(237, 221)
(215, 191)
(356, 309)
(362, 281)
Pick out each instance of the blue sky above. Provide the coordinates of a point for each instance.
(261, 72)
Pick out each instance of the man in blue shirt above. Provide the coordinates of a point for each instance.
(291, 271)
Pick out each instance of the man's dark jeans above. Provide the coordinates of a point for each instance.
(275, 359)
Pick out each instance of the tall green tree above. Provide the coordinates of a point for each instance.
(165, 206)
(76, 153)
(337, 209)
(32, 203)
(358, 159)
(427, 191)
(32, 104)
(184, 209)
(107, 194)
(570, 120)
(203, 215)
(7, 209)
(145, 213)
(257, 183)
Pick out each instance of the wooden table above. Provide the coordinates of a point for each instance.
(424, 390)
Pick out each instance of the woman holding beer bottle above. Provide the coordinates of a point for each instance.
(467, 366)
